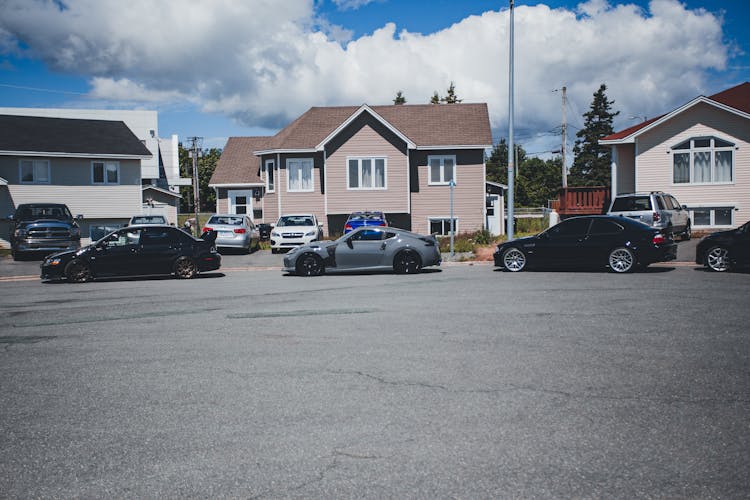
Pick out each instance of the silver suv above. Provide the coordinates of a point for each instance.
(657, 209)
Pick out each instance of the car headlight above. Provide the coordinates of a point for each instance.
(274, 233)
(75, 232)
(20, 233)
(311, 233)
(55, 261)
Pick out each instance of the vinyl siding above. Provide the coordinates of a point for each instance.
(625, 168)
(654, 163)
(301, 202)
(93, 202)
(434, 201)
(367, 142)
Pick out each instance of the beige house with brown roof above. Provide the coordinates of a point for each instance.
(699, 152)
(332, 161)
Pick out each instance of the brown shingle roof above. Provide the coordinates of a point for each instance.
(237, 164)
(737, 97)
(423, 124)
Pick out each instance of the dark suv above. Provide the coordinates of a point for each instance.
(43, 228)
(657, 209)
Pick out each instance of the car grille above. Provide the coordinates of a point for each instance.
(291, 235)
(51, 233)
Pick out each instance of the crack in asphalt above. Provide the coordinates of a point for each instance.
(301, 312)
(128, 316)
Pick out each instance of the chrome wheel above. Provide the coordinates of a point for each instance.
(309, 264)
(621, 260)
(78, 272)
(717, 259)
(514, 260)
(185, 268)
(407, 263)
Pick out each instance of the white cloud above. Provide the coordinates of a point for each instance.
(264, 65)
(352, 4)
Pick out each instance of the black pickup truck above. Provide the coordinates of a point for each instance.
(43, 228)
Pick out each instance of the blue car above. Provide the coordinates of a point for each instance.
(367, 218)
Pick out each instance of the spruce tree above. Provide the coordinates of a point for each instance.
(435, 99)
(451, 98)
(400, 99)
(591, 166)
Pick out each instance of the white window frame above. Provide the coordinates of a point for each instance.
(232, 195)
(442, 158)
(105, 164)
(270, 173)
(712, 209)
(372, 159)
(289, 175)
(712, 149)
(446, 224)
(35, 163)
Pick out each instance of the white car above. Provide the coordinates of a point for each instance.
(294, 230)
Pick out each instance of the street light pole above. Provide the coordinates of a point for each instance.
(452, 185)
(511, 146)
(194, 154)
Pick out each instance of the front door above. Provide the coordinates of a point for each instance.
(494, 211)
(241, 202)
(364, 248)
(118, 254)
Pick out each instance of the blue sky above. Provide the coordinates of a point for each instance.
(219, 69)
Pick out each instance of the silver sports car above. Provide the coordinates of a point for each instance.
(365, 249)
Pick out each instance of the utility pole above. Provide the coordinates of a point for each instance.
(564, 136)
(195, 154)
(511, 146)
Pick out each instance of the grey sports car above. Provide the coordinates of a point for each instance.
(365, 249)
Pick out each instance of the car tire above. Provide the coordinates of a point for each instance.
(274, 250)
(687, 233)
(622, 260)
(514, 260)
(309, 264)
(77, 271)
(717, 259)
(407, 262)
(185, 268)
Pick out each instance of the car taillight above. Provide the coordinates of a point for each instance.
(657, 217)
(240, 230)
(381, 224)
(348, 227)
(206, 229)
(658, 239)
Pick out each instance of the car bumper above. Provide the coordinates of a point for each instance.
(52, 273)
(277, 243)
(46, 245)
(209, 262)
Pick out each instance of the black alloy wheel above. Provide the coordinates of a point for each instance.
(407, 262)
(77, 271)
(309, 264)
(185, 268)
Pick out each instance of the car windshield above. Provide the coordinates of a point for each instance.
(295, 220)
(149, 219)
(44, 212)
(366, 216)
(227, 220)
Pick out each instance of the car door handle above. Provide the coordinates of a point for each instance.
(382, 246)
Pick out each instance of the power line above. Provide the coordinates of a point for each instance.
(37, 89)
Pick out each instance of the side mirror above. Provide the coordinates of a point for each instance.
(11, 217)
(272, 225)
(79, 217)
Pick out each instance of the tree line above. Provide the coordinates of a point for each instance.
(537, 180)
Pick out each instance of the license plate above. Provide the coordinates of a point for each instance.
(225, 234)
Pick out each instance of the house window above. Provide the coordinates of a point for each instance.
(703, 160)
(270, 183)
(712, 216)
(300, 174)
(366, 173)
(442, 226)
(105, 172)
(240, 202)
(442, 169)
(35, 171)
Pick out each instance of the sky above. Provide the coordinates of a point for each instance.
(221, 68)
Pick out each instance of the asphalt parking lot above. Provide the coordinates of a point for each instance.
(460, 382)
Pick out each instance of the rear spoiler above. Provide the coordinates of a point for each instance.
(209, 236)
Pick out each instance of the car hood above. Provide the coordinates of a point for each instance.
(65, 255)
(517, 241)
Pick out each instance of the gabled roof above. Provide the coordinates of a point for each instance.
(161, 190)
(735, 99)
(423, 126)
(41, 136)
(237, 164)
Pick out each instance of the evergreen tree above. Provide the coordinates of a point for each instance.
(435, 99)
(497, 163)
(206, 165)
(451, 98)
(400, 99)
(591, 166)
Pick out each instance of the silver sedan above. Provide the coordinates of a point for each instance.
(234, 231)
(365, 249)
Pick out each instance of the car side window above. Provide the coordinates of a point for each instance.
(572, 227)
(660, 202)
(675, 204)
(368, 235)
(124, 238)
(155, 236)
(602, 226)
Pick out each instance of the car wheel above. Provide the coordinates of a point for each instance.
(687, 233)
(407, 263)
(622, 260)
(717, 259)
(274, 250)
(185, 268)
(77, 271)
(309, 264)
(514, 260)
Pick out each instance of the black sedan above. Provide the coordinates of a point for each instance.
(598, 241)
(134, 251)
(725, 250)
